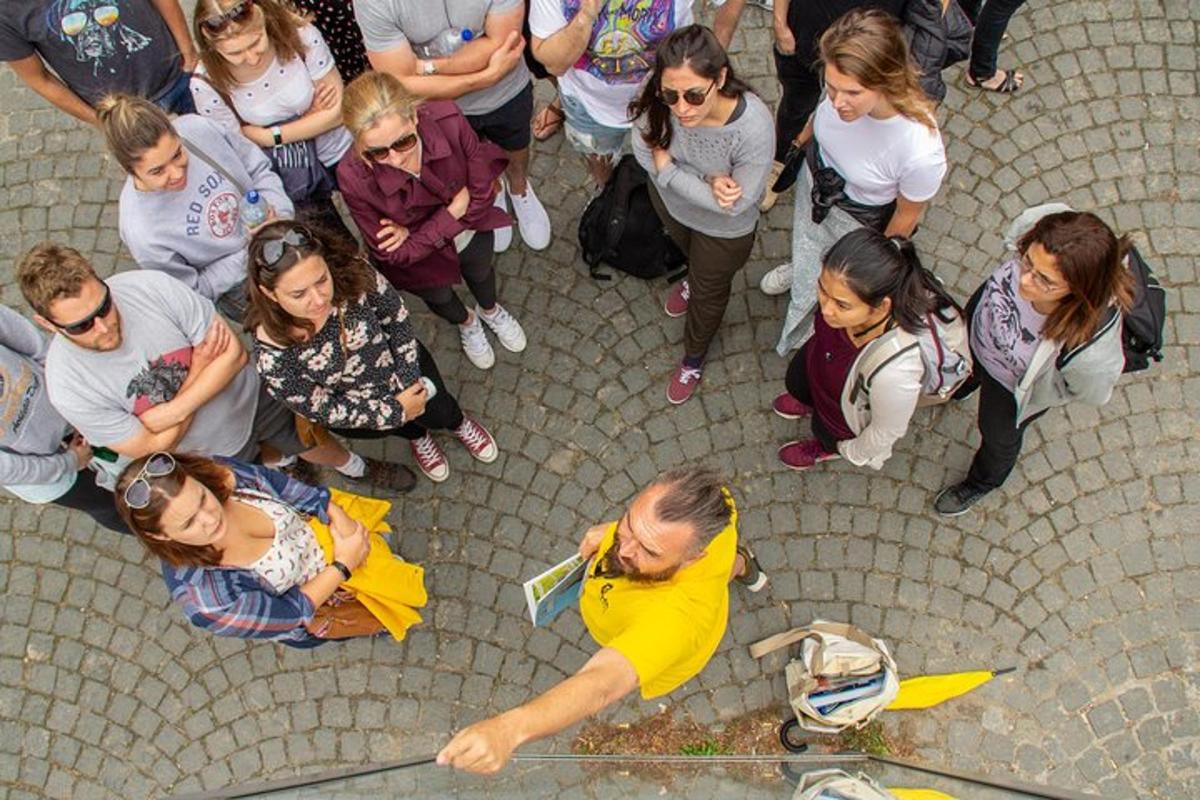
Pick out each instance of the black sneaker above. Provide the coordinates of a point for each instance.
(958, 499)
(754, 579)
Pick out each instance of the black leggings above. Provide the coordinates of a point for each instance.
(441, 413)
(796, 382)
(475, 263)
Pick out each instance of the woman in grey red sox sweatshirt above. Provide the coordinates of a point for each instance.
(195, 233)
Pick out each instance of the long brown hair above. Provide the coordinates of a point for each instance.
(1091, 259)
(696, 47)
(131, 126)
(869, 46)
(146, 523)
(281, 21)
(352, 278)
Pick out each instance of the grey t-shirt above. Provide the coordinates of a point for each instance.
(102, 393)
(387, 24)
(1006, 329)
(95, 46)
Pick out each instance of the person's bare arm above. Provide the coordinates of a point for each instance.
(177, 24)
(785, 40)
(323, 115)
(905, 218)
(473, 55)
(145, 442)
(401, 63)
(725, 20)
(486, 746)
(205, 380)
(559, 51)
(33, 72)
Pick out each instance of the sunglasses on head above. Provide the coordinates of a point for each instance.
(87, 323)
(693, 97)
(233, 16)
(158, 465)
(294, 240)
(402, 145)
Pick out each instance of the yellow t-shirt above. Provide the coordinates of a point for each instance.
(668, 630)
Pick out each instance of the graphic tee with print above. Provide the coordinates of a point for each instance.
(95, 46)
(620, 54)
(102, 393)
(281, 94)
(1006, 329)
(668, 629)
(388, 24)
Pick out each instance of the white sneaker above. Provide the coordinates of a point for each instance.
(475, 344)
(533, 222)
(505, 326)
(778, 280)
(502, 237)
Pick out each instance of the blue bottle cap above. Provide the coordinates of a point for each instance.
(467, 35)
(252, 196)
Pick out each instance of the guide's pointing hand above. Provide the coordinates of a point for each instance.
(482, 748)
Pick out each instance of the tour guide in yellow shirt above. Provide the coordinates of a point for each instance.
(656, 600)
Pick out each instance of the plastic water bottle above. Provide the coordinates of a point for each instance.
(444, 44)
(254, 210)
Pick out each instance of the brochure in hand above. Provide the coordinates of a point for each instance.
(558, 587)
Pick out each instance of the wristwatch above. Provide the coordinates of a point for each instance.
(342, 568)
(277, 132)
(427, 67)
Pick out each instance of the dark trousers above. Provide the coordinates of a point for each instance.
(990, 23)
(475, 264)
(712, 263)
(796, 382)
(800, 85)
(1002, 435)
(441, 413)
(94, 501)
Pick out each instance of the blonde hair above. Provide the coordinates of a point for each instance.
(131, 126)
(280, 19)
(371, 97)
(52, 271)
(869, 46)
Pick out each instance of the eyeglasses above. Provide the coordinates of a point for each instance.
(87, 323)
(234, 16)
(158, 465)
(1040, 280)
(295, 240)
(693, 97)
(76, 21)
(402, 145)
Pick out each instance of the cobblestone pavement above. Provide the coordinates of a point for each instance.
(1083, 572)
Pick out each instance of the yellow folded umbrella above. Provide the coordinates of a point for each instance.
(389, 587)
(919, 794)
(926, 691)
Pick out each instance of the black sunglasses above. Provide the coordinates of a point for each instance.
(402, 145)
(158, 465)
(87, 323)
(294, 240)
(693, 97)
(235, 15)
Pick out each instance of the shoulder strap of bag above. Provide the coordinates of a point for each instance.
(850, 632)
(194, 149)
(879, 353)
(778, 641)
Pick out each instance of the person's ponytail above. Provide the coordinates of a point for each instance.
(131, 126)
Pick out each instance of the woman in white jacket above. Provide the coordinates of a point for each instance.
(870, 285)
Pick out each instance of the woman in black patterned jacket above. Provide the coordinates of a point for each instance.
(332, 341)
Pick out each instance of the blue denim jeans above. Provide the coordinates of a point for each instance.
(178, 98)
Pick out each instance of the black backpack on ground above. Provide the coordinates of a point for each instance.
(620, 228)
(1142, 332)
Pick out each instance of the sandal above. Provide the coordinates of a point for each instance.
(1010, 84)
(548, 121)
(754, 579)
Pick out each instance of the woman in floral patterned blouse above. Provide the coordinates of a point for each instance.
(332, 341)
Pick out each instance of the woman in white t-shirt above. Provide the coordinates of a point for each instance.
(875, 154)
(267, 71)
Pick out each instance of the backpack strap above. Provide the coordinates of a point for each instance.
(193, 148)
(878, 354)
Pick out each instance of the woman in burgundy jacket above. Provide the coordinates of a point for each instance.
(421, 188)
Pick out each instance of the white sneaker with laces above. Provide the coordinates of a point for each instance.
(505, 326)
(475, 344)
(533, 223)
(778, 280)
(501, 237)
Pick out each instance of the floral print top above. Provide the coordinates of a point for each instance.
(349, 373)
(295, 557)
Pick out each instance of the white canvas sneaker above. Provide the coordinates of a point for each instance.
(778, 280)
(533, 223)
(505, 326)
(476, 345)
(502, 237)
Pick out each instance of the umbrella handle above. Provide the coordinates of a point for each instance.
(787, 732)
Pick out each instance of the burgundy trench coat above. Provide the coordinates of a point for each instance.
(452, 157)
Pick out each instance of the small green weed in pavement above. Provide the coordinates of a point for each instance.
(870, 739)
(709, 747)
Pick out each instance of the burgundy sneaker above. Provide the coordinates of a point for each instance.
(430, 458)
(477, 440)
(677, 300)
(683, 383)
(803, 454)
(789, 407)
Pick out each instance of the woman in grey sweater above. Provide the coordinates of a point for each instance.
(707, 142)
